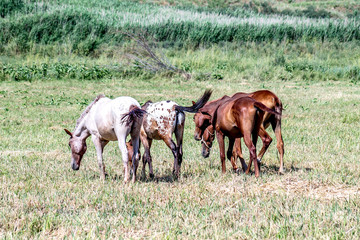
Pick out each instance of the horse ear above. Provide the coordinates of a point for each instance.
(68, 132)
(206, 114)
(193, 102)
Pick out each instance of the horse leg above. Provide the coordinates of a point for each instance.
(254, 134)
(252, 149)
(237, 153)
(280, 143)
(121, 136)
(147, 156)
(220, 138)
(99, 146)
(179, 133)
(135, 140)
(170, 143)
(230, 154)
(266, 139)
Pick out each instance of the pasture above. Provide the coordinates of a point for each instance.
(43, 197)
(48, 75)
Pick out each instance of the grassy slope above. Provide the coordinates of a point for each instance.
(42, 196)
(85, 26)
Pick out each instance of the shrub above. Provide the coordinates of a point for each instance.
(7, 7)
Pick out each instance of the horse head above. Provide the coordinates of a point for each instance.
(78, 148)
(202, 121)
(207, 140)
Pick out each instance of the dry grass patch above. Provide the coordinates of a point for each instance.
(311, 189)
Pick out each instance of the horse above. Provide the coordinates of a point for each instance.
(236, 118)
(205, 133)
(160, 122)
(108, 120)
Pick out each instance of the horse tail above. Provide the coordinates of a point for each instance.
(264, 108)
(199, 104)
(134, 113)
(278, 109)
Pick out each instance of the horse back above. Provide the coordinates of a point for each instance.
(235, 115)
(160, 120)
(109, 114)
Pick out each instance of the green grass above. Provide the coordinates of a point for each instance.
(85, 26)
(56, 56)
(305, 61)
(317, 197)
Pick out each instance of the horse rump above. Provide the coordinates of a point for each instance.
(199, 104)
(264, 108)
(134, 113)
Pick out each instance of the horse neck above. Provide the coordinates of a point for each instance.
(81, 130)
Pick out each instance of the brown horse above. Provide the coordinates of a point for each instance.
(204, 130)
(161, 121)
(236, 118)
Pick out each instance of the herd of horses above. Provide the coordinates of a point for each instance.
(242, 115)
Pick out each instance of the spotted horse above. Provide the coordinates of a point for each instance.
(160, 122)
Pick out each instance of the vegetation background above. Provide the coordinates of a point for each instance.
(57, 55)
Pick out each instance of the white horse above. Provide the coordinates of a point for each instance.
(108, 120)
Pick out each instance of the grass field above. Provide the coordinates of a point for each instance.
(41, 196)
(57, 55)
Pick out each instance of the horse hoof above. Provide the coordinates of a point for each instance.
(259, 162)
(151, 175)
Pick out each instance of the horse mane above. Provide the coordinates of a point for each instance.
(87, 110)
(211, 106)
(146, 104)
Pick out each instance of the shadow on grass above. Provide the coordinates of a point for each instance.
(167, 178)
(170, 178)
(274, 169)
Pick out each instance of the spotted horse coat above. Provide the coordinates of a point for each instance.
(161, 121)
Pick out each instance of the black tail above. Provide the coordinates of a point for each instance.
(199, 104)
(262, 107)
(134, 113)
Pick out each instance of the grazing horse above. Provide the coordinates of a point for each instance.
(161, 121)
(236, 118)
(108, 120)
(204, 131)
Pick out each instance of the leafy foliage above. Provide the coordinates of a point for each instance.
(56, 70)
(9, 6)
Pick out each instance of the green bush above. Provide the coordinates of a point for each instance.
(56, 70)
(7, 7)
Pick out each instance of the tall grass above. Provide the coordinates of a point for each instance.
(305, 61)
(87, 24)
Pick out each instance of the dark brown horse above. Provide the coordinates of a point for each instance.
(204, 131)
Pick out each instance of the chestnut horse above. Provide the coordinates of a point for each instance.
(161, 121)
(108, 120)
(236, 118)
(204, 130)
